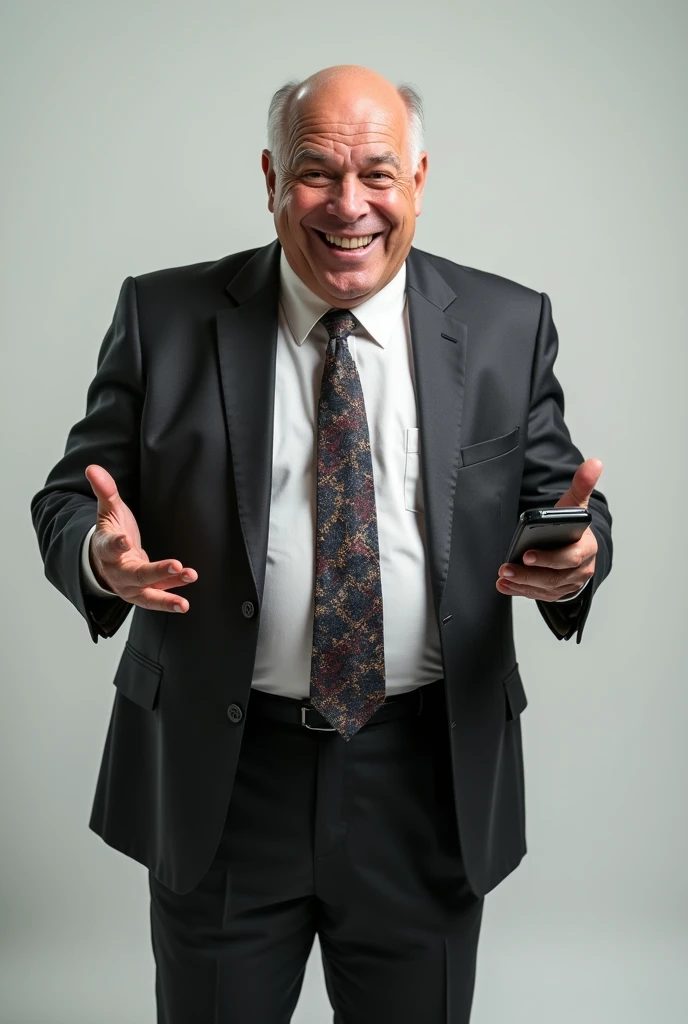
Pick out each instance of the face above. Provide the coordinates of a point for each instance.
(344, 174)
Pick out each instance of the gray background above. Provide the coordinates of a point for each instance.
(557, 157)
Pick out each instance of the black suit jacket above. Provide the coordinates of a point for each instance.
(180, 412)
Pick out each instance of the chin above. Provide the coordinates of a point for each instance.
(350, 285)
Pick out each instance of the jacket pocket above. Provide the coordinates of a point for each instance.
(138, 677)
(490, 449)
(516, 700)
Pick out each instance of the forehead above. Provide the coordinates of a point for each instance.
(345, 118)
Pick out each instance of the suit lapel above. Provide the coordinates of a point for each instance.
(439, 343)
(247, 345)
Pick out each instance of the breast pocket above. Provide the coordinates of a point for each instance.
(492, 448)
(413, 481)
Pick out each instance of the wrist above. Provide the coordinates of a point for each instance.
(93, 579)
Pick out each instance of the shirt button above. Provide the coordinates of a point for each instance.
(247, 609)
(234, 713)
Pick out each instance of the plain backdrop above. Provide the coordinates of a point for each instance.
(556, 134)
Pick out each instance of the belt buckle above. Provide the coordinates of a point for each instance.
(316, 728)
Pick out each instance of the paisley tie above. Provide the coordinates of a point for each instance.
(348, 659)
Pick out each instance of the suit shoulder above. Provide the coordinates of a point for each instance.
(192, 275)
(456, 274)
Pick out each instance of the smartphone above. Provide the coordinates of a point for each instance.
(547, 528)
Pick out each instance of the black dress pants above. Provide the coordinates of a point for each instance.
(355, 841)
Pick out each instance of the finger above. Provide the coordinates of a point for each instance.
(158, 601)
(584, 480)
(537, 593)
(537, 576)
(563, 569)
(181, 579)
(146, 574)
(104, 488)
(571, 556)
(111, 547)
(570, 585)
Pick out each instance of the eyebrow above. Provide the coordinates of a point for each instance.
(377, 158)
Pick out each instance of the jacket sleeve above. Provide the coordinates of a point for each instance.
(64, 510)
(551, 460)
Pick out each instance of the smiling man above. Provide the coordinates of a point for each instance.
(325, 442)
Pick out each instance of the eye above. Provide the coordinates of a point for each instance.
(381, 174)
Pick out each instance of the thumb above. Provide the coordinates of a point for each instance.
(104, 488)
(582, 485)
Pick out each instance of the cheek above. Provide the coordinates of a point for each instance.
(300, 201)
(396, 207)
(290, 215)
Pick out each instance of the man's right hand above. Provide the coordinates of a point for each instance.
(118, 560)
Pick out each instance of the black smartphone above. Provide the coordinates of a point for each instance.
(547, 528)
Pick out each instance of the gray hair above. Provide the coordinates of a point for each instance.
(281, 101)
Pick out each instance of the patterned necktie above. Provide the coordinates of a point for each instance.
(348, 659)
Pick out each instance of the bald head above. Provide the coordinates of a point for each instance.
(352, 77)
(345, 175)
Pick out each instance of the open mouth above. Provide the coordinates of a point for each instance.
(360, 244)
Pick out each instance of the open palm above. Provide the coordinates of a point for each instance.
(118, 560)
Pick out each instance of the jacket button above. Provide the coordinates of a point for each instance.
(234, 713)
(247, 609)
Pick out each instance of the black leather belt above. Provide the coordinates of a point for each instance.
(299, 711)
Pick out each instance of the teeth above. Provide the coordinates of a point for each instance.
(349, 243)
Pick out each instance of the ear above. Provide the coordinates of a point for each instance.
(419, 181)
(270, 177)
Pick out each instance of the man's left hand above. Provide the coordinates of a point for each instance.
(559, 572)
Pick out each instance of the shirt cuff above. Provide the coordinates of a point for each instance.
(572, 597)
(92, 584)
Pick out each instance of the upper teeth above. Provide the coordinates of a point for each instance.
(349, 243)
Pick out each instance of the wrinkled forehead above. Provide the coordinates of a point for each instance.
(343, 120)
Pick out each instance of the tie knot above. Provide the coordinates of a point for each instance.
(339, 323)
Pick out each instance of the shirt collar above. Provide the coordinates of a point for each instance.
(303, 308)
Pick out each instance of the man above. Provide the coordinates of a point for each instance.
(331, 438)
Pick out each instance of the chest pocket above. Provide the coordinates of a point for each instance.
(413, 481)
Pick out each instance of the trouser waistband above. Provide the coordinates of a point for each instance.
(298, 711)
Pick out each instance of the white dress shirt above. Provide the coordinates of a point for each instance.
(381, 349)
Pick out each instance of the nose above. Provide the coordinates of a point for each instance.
(348, 202)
